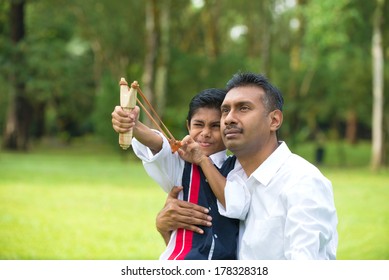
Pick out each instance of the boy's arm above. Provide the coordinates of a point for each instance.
(191, 152)
(237, 195)
(123, 122)
(216, 180)
(151, 147)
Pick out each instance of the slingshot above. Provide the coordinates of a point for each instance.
(128, 100)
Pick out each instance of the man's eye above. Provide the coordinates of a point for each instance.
(244, 108)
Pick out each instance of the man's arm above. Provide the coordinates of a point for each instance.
(181, 214)
(311, 220)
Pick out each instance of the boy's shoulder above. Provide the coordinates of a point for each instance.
(228, 165)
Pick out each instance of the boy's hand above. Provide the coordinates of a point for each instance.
(123, 121)
(191, 151)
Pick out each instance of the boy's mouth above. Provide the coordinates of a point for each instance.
(204, 144)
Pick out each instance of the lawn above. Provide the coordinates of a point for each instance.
(88, 201)
(77, 203)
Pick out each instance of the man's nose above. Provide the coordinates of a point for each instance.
(230, 118)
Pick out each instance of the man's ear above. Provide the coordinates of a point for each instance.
(276, 120)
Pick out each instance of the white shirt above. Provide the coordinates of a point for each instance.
(286, 208)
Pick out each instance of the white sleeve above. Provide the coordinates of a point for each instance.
(164, 167)
(237, 198)
(310, 228)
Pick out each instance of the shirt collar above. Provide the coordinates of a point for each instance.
(266, 171)
(219, 158)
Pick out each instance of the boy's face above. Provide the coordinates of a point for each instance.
(204, 128)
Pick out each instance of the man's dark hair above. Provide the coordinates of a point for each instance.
(209, 98)
(273, 97)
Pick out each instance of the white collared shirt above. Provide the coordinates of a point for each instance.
(286, 208)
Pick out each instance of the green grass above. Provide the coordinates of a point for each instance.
(77, 204)
(88, 201)
(361, 199)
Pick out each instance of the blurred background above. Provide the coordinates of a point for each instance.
(60, 65)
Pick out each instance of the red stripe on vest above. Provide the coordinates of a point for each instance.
(185, 237)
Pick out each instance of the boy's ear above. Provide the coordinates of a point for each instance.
(187, 125)
(276, 120)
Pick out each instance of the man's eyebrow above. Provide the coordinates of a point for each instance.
(244, 102)
(240, 103)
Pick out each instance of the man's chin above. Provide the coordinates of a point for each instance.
(232, 145)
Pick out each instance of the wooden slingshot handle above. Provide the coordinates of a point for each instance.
(127, 102)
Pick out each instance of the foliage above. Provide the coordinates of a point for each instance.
(106, 99)
(77, 51)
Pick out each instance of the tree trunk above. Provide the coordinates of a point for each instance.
(19, 113)
(164, 58)
(151, 53)
(351, 127)
(210, 17)
(378, 89)
(265, 42)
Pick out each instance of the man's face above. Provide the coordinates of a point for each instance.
(245, 123)
(204, 128)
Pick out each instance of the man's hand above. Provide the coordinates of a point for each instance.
(123, 121)
(181, 214)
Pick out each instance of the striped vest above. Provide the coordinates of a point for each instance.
(219, 241)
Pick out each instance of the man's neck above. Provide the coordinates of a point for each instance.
(250, 162)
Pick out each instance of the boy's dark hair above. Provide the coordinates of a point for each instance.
(273, 97)
(209, 98)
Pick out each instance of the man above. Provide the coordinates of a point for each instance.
(285, 204)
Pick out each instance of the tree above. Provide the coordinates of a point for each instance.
(18, 120)
(161, 76)
(378, 87)
(65, 70)
(157, 57)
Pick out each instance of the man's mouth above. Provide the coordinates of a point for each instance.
(233, 131)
